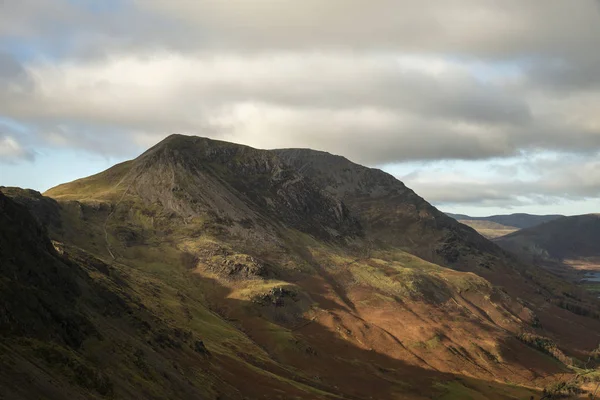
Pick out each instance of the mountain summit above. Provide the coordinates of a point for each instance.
(194, 177)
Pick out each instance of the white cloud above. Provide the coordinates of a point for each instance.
(375, 108)
(543, 178)
(12, 151)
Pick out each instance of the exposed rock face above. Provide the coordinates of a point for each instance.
(387, 209)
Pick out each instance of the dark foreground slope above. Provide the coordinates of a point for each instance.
(73, 327)
(306, 280)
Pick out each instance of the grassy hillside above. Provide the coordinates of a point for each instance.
(74, 326)
(489, 229)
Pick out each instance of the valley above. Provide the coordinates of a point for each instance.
(495, 226)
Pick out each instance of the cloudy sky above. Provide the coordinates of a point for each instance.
(481, 106)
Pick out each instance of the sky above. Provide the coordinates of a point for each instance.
(481, 106)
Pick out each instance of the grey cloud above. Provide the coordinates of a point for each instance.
(569, 177)
(480, 28)
(12, 151)
(14, 80)
(10, 69)
(565, 76)
(332, 75)
(374, 108)
(483, 27)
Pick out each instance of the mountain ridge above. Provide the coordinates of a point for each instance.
(517, 220)
(404, 214)
(573, 237)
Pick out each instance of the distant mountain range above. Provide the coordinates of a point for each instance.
(568, 238)
(501, 225)
(519, 220)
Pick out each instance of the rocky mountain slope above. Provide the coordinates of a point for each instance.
(293, 273)
(391, 213)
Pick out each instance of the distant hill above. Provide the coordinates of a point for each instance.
(566, 238)
(496, 226)
(519, 220)
(489, 229)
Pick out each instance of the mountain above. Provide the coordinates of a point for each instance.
(567, 238)
(519, 220)
(206, 269)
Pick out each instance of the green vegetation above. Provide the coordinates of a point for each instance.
(102, 186)
(455, 390)
(561, 390)
(545, 345)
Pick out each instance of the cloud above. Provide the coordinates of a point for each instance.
(381, 82)
(548, 178)
(11, 151)
(380, 109)
(375, 109)
(482, 27)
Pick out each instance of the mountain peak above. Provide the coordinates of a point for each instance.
(313, 191)
(178, 141)
(197, 177)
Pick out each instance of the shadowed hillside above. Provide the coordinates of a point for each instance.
(73, 326)
(574, 237)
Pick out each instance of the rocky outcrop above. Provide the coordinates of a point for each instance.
(388, 210)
